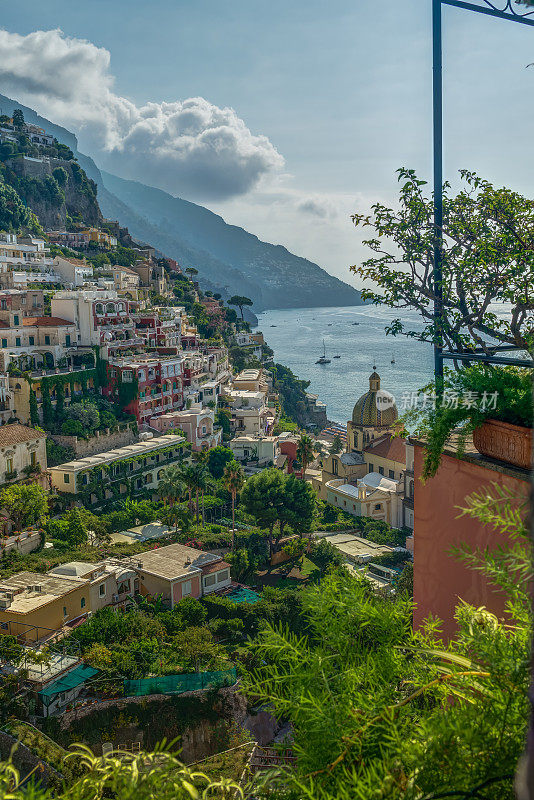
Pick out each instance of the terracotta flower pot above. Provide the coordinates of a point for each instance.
(505, 442)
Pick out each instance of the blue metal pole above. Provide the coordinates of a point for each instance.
(437, 100)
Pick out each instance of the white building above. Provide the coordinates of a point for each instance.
(73, 271)
(263, 449)
(373, 496)
(248, 413)
(101, 317)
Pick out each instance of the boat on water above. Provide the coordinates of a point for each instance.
(355, 323)
(336, 356)
(273, 326)
(393, 358)
(323, 359)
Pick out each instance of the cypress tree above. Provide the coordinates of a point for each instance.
(34, 413)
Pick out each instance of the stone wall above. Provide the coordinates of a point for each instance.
(202, 738)
(108, 439)
(24, 543)
(25, 760)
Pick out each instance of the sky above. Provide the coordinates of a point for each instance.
(284, 118)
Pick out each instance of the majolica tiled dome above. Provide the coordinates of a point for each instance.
(366, 412)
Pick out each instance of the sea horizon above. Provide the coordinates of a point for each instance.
(296, 336)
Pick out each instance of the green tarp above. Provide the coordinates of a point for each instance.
(71, 680)
(176, 684)
(243, 595)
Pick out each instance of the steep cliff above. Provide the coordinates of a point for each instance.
(56, 190)
(225, 255)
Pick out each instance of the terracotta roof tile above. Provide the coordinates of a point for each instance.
(215, 567)
(16, 433)
(45, 322)
(392, 447)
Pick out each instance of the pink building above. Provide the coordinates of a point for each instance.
(178, 571)
(440, 578)
(197, 423)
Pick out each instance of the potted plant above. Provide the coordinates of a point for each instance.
(493, 403)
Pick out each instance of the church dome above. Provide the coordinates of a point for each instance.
(366, 412)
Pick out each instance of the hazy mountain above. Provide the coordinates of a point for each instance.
(225, 255)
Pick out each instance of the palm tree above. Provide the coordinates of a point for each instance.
(188, 478)
(171, 485)
(305, 452)
(203, 483)
(233, 478)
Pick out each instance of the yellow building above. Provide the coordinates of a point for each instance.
(73, 390)
(370, 422)
(34, 606)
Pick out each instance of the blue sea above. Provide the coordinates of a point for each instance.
(297, 341)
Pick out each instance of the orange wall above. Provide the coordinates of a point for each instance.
(439, 578)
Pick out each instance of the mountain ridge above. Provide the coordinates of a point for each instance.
(227, 256)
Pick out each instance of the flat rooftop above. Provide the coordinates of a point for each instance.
(173, 561)
(248, 375)
(136, 449)
(51, 587)
(352, 546)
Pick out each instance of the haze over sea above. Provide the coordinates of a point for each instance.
(297, 341)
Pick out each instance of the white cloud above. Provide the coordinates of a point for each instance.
(189, 147)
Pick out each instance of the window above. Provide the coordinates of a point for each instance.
(4, 342)
(15, 319)
(66, 478)
(381, 470)
(110, 308)
(17, 341)
(23, 301)
(99, 309)
(102, 590)
(47, 339)
(82, 602)
(65, 611)
(377, 506)
(392, 474)
(222, 576)
(32, 339)
(9, 464)
(67, 340)
(33, 459)
(127, 376)
(209, 580)
(371, 468)
(186, 588)
(3, 304)
(335, 466)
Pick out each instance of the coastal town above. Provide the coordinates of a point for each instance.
(199, 567)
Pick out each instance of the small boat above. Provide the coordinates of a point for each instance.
(323, 359)
(393, 358)
(329, 324)
(355, 323)
(336, 356)
(273, 326)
